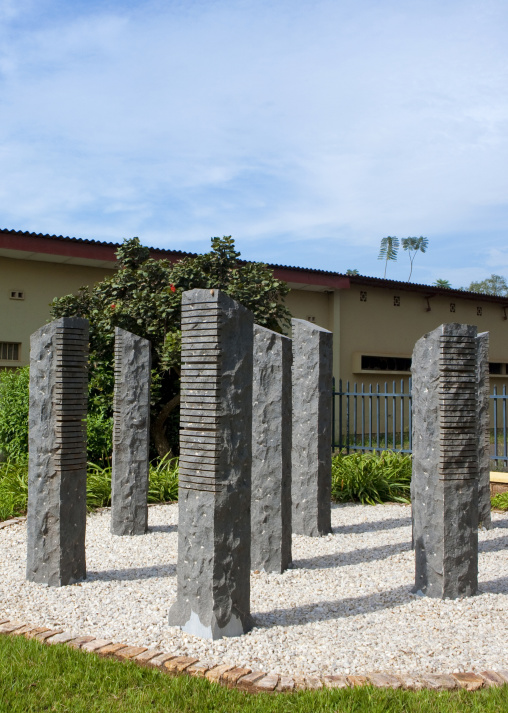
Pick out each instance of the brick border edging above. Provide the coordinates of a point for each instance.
(244, 679)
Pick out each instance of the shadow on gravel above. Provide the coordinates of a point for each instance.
(497, 545)
(341, 559)
(338, 609)
(163, 528)
(494, 586)
(114, 575)
(361, 527)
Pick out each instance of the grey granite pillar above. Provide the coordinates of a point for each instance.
(213, 571)
(56, 519)
(271, 452)
(312, 429)
(483, 397)
(444, 486)
(131, 434)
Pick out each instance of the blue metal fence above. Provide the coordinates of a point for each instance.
(376, 418)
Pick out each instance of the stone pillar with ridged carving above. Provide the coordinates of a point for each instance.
(131, 434)
(312, 429)
(213, 571)
(56, 518)
(444, 486)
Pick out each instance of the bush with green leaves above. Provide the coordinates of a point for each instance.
(144, 297)
(14, 413)
(371, 478)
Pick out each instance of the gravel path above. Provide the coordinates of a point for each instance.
(345, 606)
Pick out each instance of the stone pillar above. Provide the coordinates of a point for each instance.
(213, 572)
(271, 452)
(312, 429)
(483, 397)
(444, 486)
(56, 520)
(131, 434)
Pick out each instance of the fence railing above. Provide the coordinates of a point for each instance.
(377, 418)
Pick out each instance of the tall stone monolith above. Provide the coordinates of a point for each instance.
(483, 397)
(56, 519)
(271, 452)
(444, 486)
(213, 572)
(131, 434)
(312, 429)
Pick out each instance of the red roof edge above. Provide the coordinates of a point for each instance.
(308, 277)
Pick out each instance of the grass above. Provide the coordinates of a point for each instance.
(371, 478)
(162, 485)
(38, 677)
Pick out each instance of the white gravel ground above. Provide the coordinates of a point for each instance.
(345, 606)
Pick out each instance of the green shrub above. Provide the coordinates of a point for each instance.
(99, 437)
(371, 478)
(14, 413)
(500, 501)
(13, 489)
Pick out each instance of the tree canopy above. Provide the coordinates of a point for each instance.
(493, 285)
(143, 297)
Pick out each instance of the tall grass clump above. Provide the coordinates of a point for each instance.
(162, 483)
(500, 501)
(371, 478)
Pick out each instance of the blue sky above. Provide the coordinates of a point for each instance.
(307, 129)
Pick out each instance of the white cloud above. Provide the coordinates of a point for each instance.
(281, 123)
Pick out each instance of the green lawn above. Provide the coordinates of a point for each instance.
(39, 677)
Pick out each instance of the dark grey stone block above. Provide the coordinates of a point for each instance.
(483, 393)
(131, 434)
(56, 519)
(271, 452)
(312, 429)
(444, 486)
(213, 572)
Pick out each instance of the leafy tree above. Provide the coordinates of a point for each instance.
(493, 285)
(144, 297)
(352, 272)
(414, 246)
(388, 250)
(442, 283)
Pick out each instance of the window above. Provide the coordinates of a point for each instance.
(16, 295)
(363, 296)
(396, 301)
(9, 351)
(496, 367)
(452, 306)
(385, 363)
(479, 311)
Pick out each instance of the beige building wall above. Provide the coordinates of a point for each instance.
(39, 282)
(384, 322)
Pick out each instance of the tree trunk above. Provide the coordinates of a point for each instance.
(158, 430)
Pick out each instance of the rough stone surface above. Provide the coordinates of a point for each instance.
(213, 571)
(312, 429)
(131, 431)
(271, 452)
(56, 518)
(483, 393)
(444, 486)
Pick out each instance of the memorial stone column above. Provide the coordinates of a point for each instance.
(271, 452)
(131, 434)
(213, 571)
(444, 486)
(312, 428)
(56, 519)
